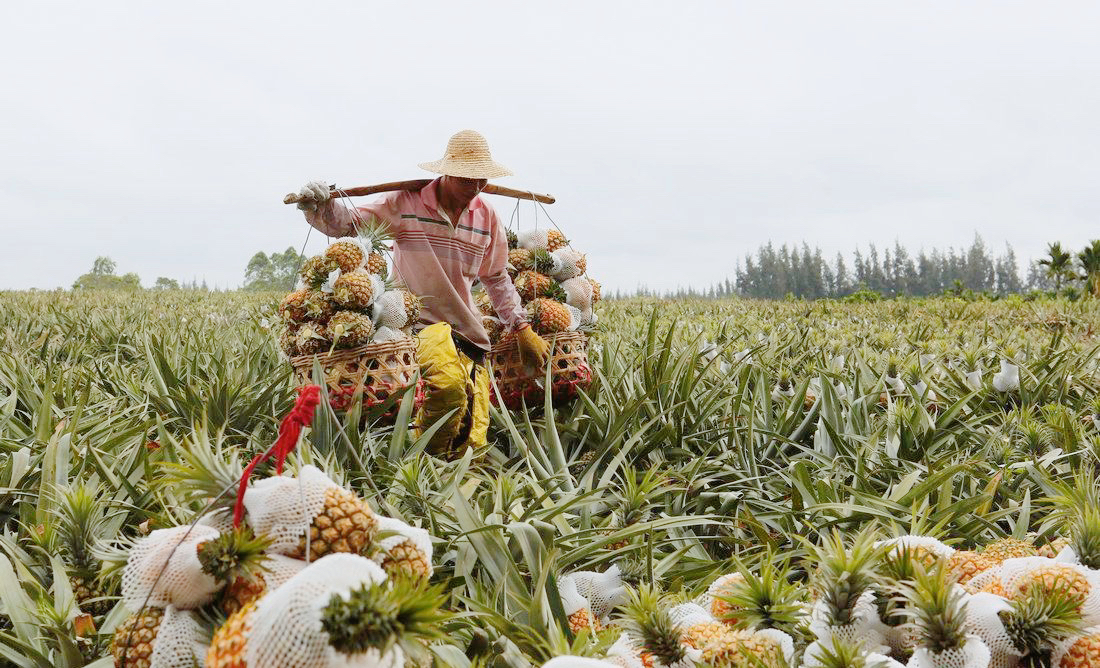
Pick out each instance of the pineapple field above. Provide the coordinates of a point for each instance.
(744, 483)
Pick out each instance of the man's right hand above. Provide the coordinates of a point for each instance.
(312, 194)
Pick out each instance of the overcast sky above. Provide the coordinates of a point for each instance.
(677, 136)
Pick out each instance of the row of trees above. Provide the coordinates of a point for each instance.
(103, 277)
(803, 272)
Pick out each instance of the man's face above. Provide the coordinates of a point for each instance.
(464, 189)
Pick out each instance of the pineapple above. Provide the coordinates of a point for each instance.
(288, 341)
(399, 612)
(721, 590)
(531, 284)
(345, 524)
(965, 564)
(648, 622)
(319, 306)
(413, 306)
(635, 501)
(227, 647)
(350, 329)
(293, 308)
(766, 599)
(311, 339)
(584, 619)
(484, 303)
(354, 290)
(236, 559)
(81, 523)
(1051, 549)
(346, 253)
(723, 647)
(315, 271)
(555, 240)
(1053, 577)
(376, 264)
(1007, 548)
(1039, 622)
(407, 559)
(132, 644)
(595, 290)
(520, 259)
(549, 316)
(844, 574)
(1084, 652)
(513, 240)
(1085, 537)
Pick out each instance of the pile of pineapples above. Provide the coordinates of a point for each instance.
(200, 594)
(344, 300)
(862, 601)
(550, 277)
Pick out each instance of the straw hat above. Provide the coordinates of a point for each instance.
(468, 156)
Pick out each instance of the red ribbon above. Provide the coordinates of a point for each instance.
(289, 431)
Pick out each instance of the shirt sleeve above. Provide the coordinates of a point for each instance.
(334, 219)
(498, 284)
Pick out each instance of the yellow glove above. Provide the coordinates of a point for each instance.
(533, 349)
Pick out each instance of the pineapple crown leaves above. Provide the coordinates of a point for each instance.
(937, 607)
(765, 599)
(846, 570)
(400, 612)
(81, 523)
(1084, 535)
(647, 620)
(205, 472)
(636, 497)
(373, 235)
(543, 261)
(556, 292)
(1040, 619)
(513, 240)
(235, 553)
(840, 653)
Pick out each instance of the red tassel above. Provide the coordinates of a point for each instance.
(290, 429)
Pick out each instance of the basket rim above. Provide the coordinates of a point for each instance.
(373, 349)
(512, 343)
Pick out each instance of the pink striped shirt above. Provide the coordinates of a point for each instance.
(439, 260)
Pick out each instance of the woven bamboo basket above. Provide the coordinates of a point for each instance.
(518, 384)
(379, 370)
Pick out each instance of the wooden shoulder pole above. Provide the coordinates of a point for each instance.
(417, 184)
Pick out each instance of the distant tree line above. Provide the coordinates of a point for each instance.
(103, 277)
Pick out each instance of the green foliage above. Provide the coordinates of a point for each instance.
(275, 272)
(102, 277)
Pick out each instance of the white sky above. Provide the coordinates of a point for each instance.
(677, 136)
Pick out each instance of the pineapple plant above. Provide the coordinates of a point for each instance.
(346, 253)
(635, 500)
(132, 643)
(354, 289)
(549, 316)
(350, 329)
(82, 524)
(1085, 537)
(1052, 548)
(1040, 621)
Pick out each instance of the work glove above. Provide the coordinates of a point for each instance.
(533, 349)
(313, 194)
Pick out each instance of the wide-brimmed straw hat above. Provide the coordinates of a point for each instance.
(468, 156)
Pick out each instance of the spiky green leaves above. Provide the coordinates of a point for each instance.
(1041, 619)
(233, 554)
(765, 599)
(846, 570)
(1085, 537)
(840, 653)
(938, 608)
(401, 612)
(647, 621)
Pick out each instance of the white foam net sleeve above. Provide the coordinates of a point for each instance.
(914, 543)
(577, 662)
(984, 621)
(1014, 572)
(604, 591)
(378, 286)
(866, 627)
(221, 520)
(402, 532)
(571, 599)
(570, 263)
(1067, 556)
(876, 660)
(531, 239)
(286, 626)
(180, 641)
(182, 584)
(784, 640)
(282, 507)
(576, 318)
(389, 310)
(578, 293)
(281, 568)
(388, 334)
(685, 615)
(973, 654)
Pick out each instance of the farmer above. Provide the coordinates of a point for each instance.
(445, 237)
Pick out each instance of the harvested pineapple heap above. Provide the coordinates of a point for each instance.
(344, 301)
(312, 578)
(909, 601)
(550, 278)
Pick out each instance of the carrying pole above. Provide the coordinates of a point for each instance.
(417, 184)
